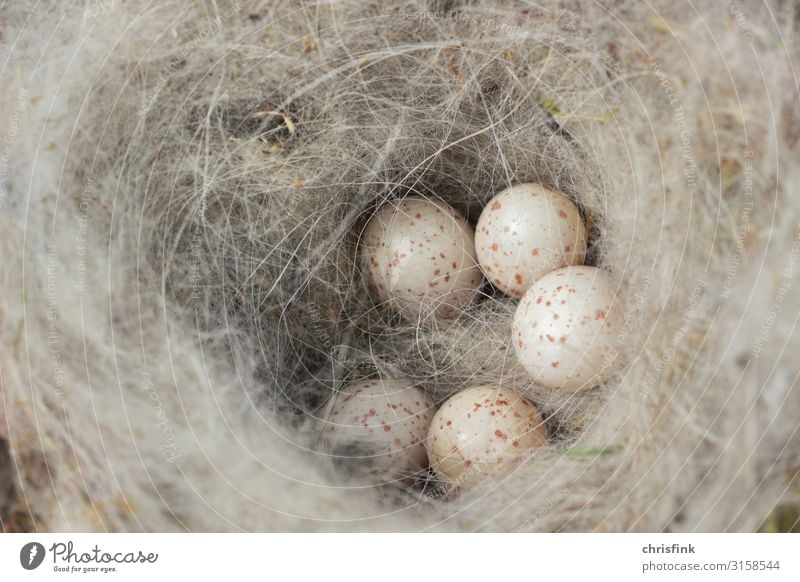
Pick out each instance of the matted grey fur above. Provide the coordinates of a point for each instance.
(183, 188)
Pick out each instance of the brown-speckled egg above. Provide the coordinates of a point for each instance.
(566, 328)
(525, 232)
(376, 429)
(481, 432)
(419, 255)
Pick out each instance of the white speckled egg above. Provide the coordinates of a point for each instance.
(482, 431)
(525, 232)
(376, 429)
(566, 327)
(419, 255)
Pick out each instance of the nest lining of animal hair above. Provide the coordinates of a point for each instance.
(182, 293)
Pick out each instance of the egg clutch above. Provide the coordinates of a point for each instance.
(423, 259)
